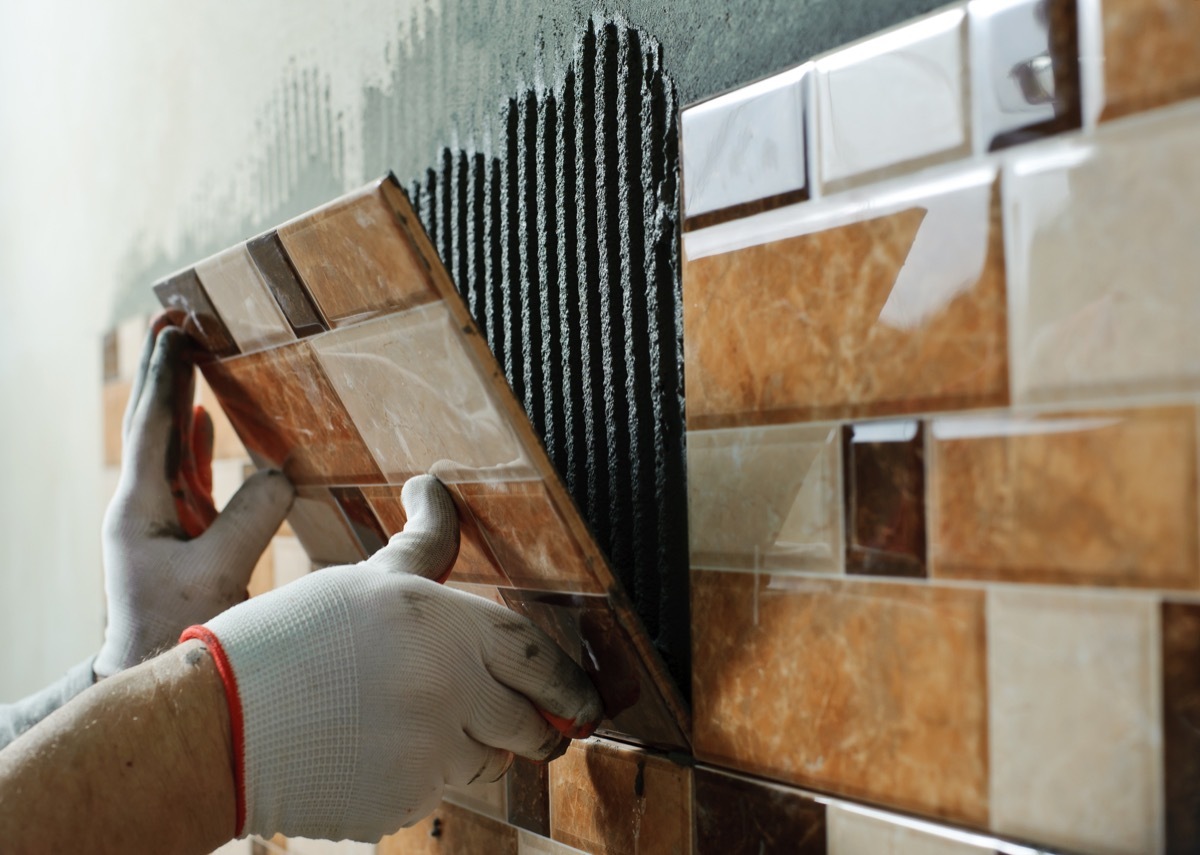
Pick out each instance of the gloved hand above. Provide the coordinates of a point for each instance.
(357, 692)
(169, 560)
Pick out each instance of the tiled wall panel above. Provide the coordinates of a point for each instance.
(735, 816)
(1150, 54)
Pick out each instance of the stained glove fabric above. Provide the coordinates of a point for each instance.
(357, 692)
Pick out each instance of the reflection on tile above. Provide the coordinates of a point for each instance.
(872, 690)
(1181, 723)
(415, 394)
(226, 444)
(363, 523)
(1098, 498)
(588, 630)
(532, 844)
(607, 800)
(184, 293)
(898, 100)
(1025, 65)
(528, 786)
(355, 260)
(452, 830)
(484, 797)
(288, 415)
(240, 296)
(1103, 261)
(115, 397)
(322, 528)
(745, 145)
(475, 562)
(1073, 678)
(885, 498)
(1150, 53)
(283, 283)
(765, 498)
(529, 536)
(898, 313)
(855, 833)
(737, 817)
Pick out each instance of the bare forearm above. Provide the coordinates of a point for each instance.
(141, 762)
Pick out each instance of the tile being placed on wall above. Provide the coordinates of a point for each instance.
(867, 306)
(355, 260)
(745, 146)
(422, 406)
(765, 498)
(1075, 731)
(322, 528)
(894, 102)
(872, 690)
(885, 498)
(528, 795)
(1095, 498)
(1181, 723)
(1150, 53)
(240, 296)
(184, 293)
(452, 830)
(361, 518)
(854, 832)
(734, 816)
(608, 800)
(1103, 261)
(283, 284)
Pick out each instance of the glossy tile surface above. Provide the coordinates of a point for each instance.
(1150, 53)
(900, 309)
(361, 518)
(853, 833)
(283, 283)
(895, 101)
(736, 817)
(1075, 729)
(1181, 723)
(885, 498)
(607, 800)
(765, 498)
(452, 830)
(239, 294)
(1096, 498)
(872, 690)
(532, 844)
(184, 294)
(322, 528)
(355, 260)
(746, 145)
(1118, 318)
(528, 790)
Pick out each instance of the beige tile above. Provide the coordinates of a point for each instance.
(765, 498)
(289, 560)
(114, 399)
(1103, 261)
(1075, 730)
(487, 798)
(850, 832)
(131, 336)
(529, 843)
(262, 579)
(452, 830)
(304, 846)
(240, 296)
(227, 479)
(1150, 53)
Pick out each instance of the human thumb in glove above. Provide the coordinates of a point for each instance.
(170, 560)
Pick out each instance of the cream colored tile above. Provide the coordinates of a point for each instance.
(529, 843)
(1075, 731)
(850, 832)
(290, 560)
(131, 335)
(228, 477)
(240, 296)
(482, 797)
(304, 846)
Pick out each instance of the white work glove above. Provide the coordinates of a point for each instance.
(170, 561)
(356, 693)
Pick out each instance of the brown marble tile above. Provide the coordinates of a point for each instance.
(288, 415)
(528, 785)
(898, 313)
(322, 529)
(872, 690)
(1089, 498)
(114, 399)
(1181, 723)
(361, 518)
(109, 360)
(589, 630)
(1150, 53)
(885, 498)
(737, 817)
(452, 830)
(283, 283)
(475, 563)
(355, 259)
(183, 292)
(607, 800)
(529, 536)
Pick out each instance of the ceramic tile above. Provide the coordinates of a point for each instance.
(885, 498)
(1025, 68)
(871, 690)
(238, 292)
(226, 445)
(532, 844)
(361, 518)
(607, 800)
(475, 562)
(289, 560)
(1103, 259)
(304, 846)
(892, 102)
(1096, 498)
(286, 412)
(487, 798)
(1181, 724)
(736, 817)
(420, 402)
(1075, 730)
(765, 498)
(746, 145)
(114, 399)
(529, 536)
(1150, 54)
(109, 361)
(528, 789)
(854, 833)
(283, 284)
(131, 335)
(355, 260)
(452, 830)
(262, 579)
(184, 293)
(322, 528)
(590, 631)
(887, 306)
